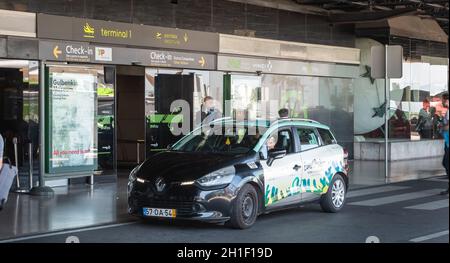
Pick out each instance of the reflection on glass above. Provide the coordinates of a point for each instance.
(327, 100)
(416, 101)
(105, 124)
(164, 86)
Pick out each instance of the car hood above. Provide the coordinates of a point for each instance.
(181, 166)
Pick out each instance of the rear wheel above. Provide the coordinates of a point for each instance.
(245, 209)
(333, 201)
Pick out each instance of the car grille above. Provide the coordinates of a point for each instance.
(173, 198)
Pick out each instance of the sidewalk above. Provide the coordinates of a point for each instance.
(72, 207)
(80, 206)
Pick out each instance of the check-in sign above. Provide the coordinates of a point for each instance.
(65, 51)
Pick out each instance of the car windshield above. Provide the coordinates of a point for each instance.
(226, 140)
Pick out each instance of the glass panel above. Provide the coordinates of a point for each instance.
(416, 104)
(19, 114)
(105, 124)
(71, 119)
(164, 86)
(327, 100)
(245, 95)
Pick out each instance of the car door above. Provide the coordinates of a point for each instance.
(282, 176)
(313, 181)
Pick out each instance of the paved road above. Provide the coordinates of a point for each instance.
(410, 211)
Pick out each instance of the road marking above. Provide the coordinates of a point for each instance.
(430, 205)
(397, 198)
(375, 190)
(428, 237)
(66, 232)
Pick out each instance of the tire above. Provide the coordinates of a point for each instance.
(334, 200)
(245, 208)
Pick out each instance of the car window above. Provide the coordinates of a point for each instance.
(308, 138)
(327, 137)
(225, 140)
(281, 140)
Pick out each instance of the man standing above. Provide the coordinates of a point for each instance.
(446, 139)
(208, 112)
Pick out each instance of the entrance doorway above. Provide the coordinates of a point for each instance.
(19, 115)
(130, 115)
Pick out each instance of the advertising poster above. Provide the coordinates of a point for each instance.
(72, 122)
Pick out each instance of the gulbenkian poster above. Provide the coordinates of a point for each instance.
(73, 131)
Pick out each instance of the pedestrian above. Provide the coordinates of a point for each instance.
(425, 124)
(445, 134)
(208, 112)
(283, 113)
(1, 151)
(2, 199)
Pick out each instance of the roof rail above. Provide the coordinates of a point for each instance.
(295, 119)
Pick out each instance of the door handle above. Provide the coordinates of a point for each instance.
(296, 167)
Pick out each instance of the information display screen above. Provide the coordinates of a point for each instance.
(72, 120)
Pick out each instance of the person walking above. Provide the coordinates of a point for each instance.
(446, 138)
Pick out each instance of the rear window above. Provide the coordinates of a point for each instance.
(327, 137)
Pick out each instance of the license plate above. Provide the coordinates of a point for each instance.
(159, 212)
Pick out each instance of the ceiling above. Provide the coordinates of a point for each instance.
(347, 11)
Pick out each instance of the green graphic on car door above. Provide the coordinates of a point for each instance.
(313, 182)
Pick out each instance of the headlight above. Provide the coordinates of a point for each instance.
(132, 176)
(220, 177)
(132, 179)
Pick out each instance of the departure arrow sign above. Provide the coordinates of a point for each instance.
(202, 61)
(56, 52)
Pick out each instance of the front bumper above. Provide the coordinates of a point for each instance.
(190, 202)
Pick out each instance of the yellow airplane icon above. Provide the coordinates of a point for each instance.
(158, 35)
(88, 29)
(56, 52)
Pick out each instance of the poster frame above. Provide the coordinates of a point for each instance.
(61, 171)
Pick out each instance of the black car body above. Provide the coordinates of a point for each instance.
(176, 183)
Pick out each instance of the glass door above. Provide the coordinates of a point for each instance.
(244, 94)
(19, 116)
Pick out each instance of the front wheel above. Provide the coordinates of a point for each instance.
(333, 201)
(245, 209)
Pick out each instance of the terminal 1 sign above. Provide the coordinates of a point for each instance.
(99, 31)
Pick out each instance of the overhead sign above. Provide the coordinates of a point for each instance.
(99, 31)
(277, 66)
(394, 62)
(65, 51)
(84, 52)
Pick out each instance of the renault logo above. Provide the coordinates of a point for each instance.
(160, 184)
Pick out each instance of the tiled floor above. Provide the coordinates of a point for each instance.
(83, 205)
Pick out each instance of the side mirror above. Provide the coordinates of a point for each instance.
(275, 154)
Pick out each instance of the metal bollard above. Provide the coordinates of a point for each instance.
(30, 161)
(16, 157)
(138, 152)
